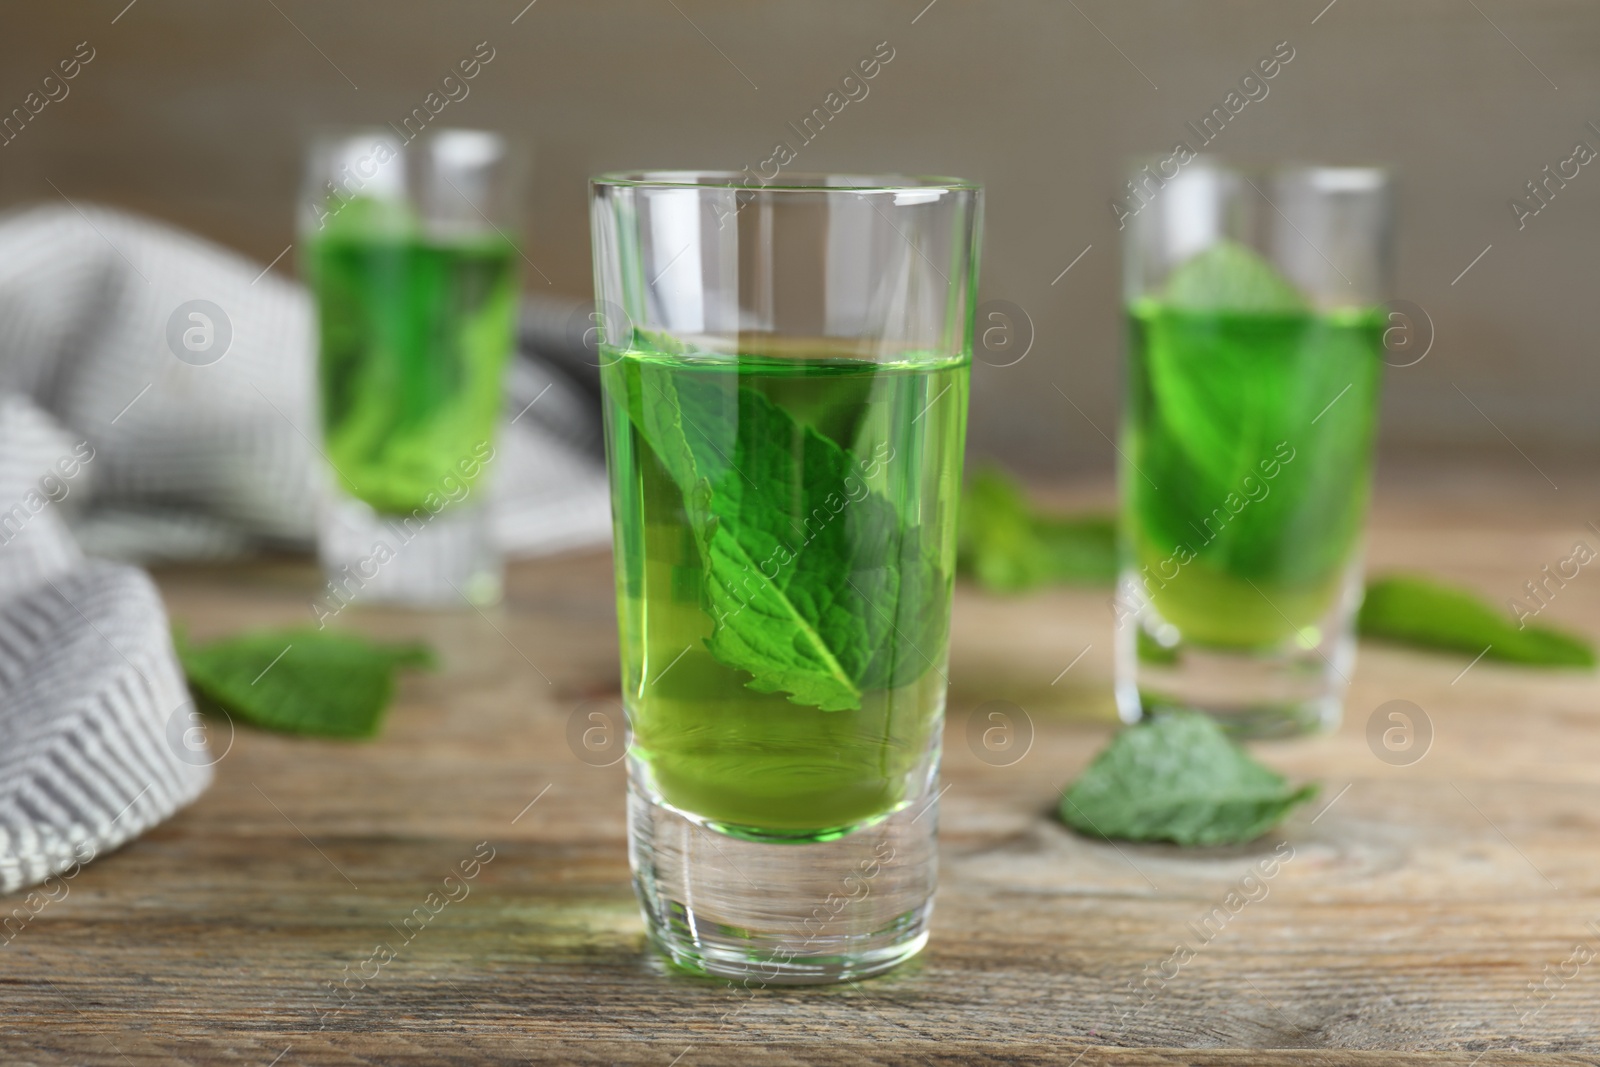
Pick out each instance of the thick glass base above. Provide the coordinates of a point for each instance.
(1296, 687)
(420, 560)
(792, 913)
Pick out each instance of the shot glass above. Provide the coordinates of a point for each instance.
(407, 247)
(785, 371)
(1255, 332)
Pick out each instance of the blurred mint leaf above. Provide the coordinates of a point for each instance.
(1178, 778)
(364, 217)
(1150, 650)
(1416, 611)
(1009, 547)
(300, 681)
(1230, 277)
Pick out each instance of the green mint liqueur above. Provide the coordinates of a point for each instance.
(415, 333)
(1248, 444)
(786, 526)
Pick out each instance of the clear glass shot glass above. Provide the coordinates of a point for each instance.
(785, 371)
(1255, 330)
(406, 245)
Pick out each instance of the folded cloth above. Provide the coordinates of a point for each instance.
(95, 738)
(126, 433)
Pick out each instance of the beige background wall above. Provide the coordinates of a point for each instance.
(194, 112)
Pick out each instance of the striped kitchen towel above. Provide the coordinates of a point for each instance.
(95, 745)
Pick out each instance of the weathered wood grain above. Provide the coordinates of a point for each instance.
(1419, 904)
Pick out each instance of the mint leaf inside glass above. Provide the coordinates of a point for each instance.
(1250, 422)
(1230, 277)
(823, 613)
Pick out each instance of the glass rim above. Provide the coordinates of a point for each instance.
(332, 133)
(1377, 174)
(800, 182)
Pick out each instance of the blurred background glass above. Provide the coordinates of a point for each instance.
(409, 252)
(1255, 349)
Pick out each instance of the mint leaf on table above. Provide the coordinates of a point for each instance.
(1417, 611)
(822, 610)
(1178, 778)
(1010, 547)
(301, 681)
(1230, 277)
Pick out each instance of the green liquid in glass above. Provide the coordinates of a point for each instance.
(1248, 444)
(750, 449)
(414, 338)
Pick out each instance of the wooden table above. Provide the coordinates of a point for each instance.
(1420, 903)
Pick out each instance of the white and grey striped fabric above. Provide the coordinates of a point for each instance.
(93, 707)
(118, 437)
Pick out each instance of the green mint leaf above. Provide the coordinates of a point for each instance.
(1228, 395)
(1230, 277)
(1009, 547)
(1178, 778)
(1149, 650)
(1416, 611)
(300, 681)
(366, 217)
(816, 586)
